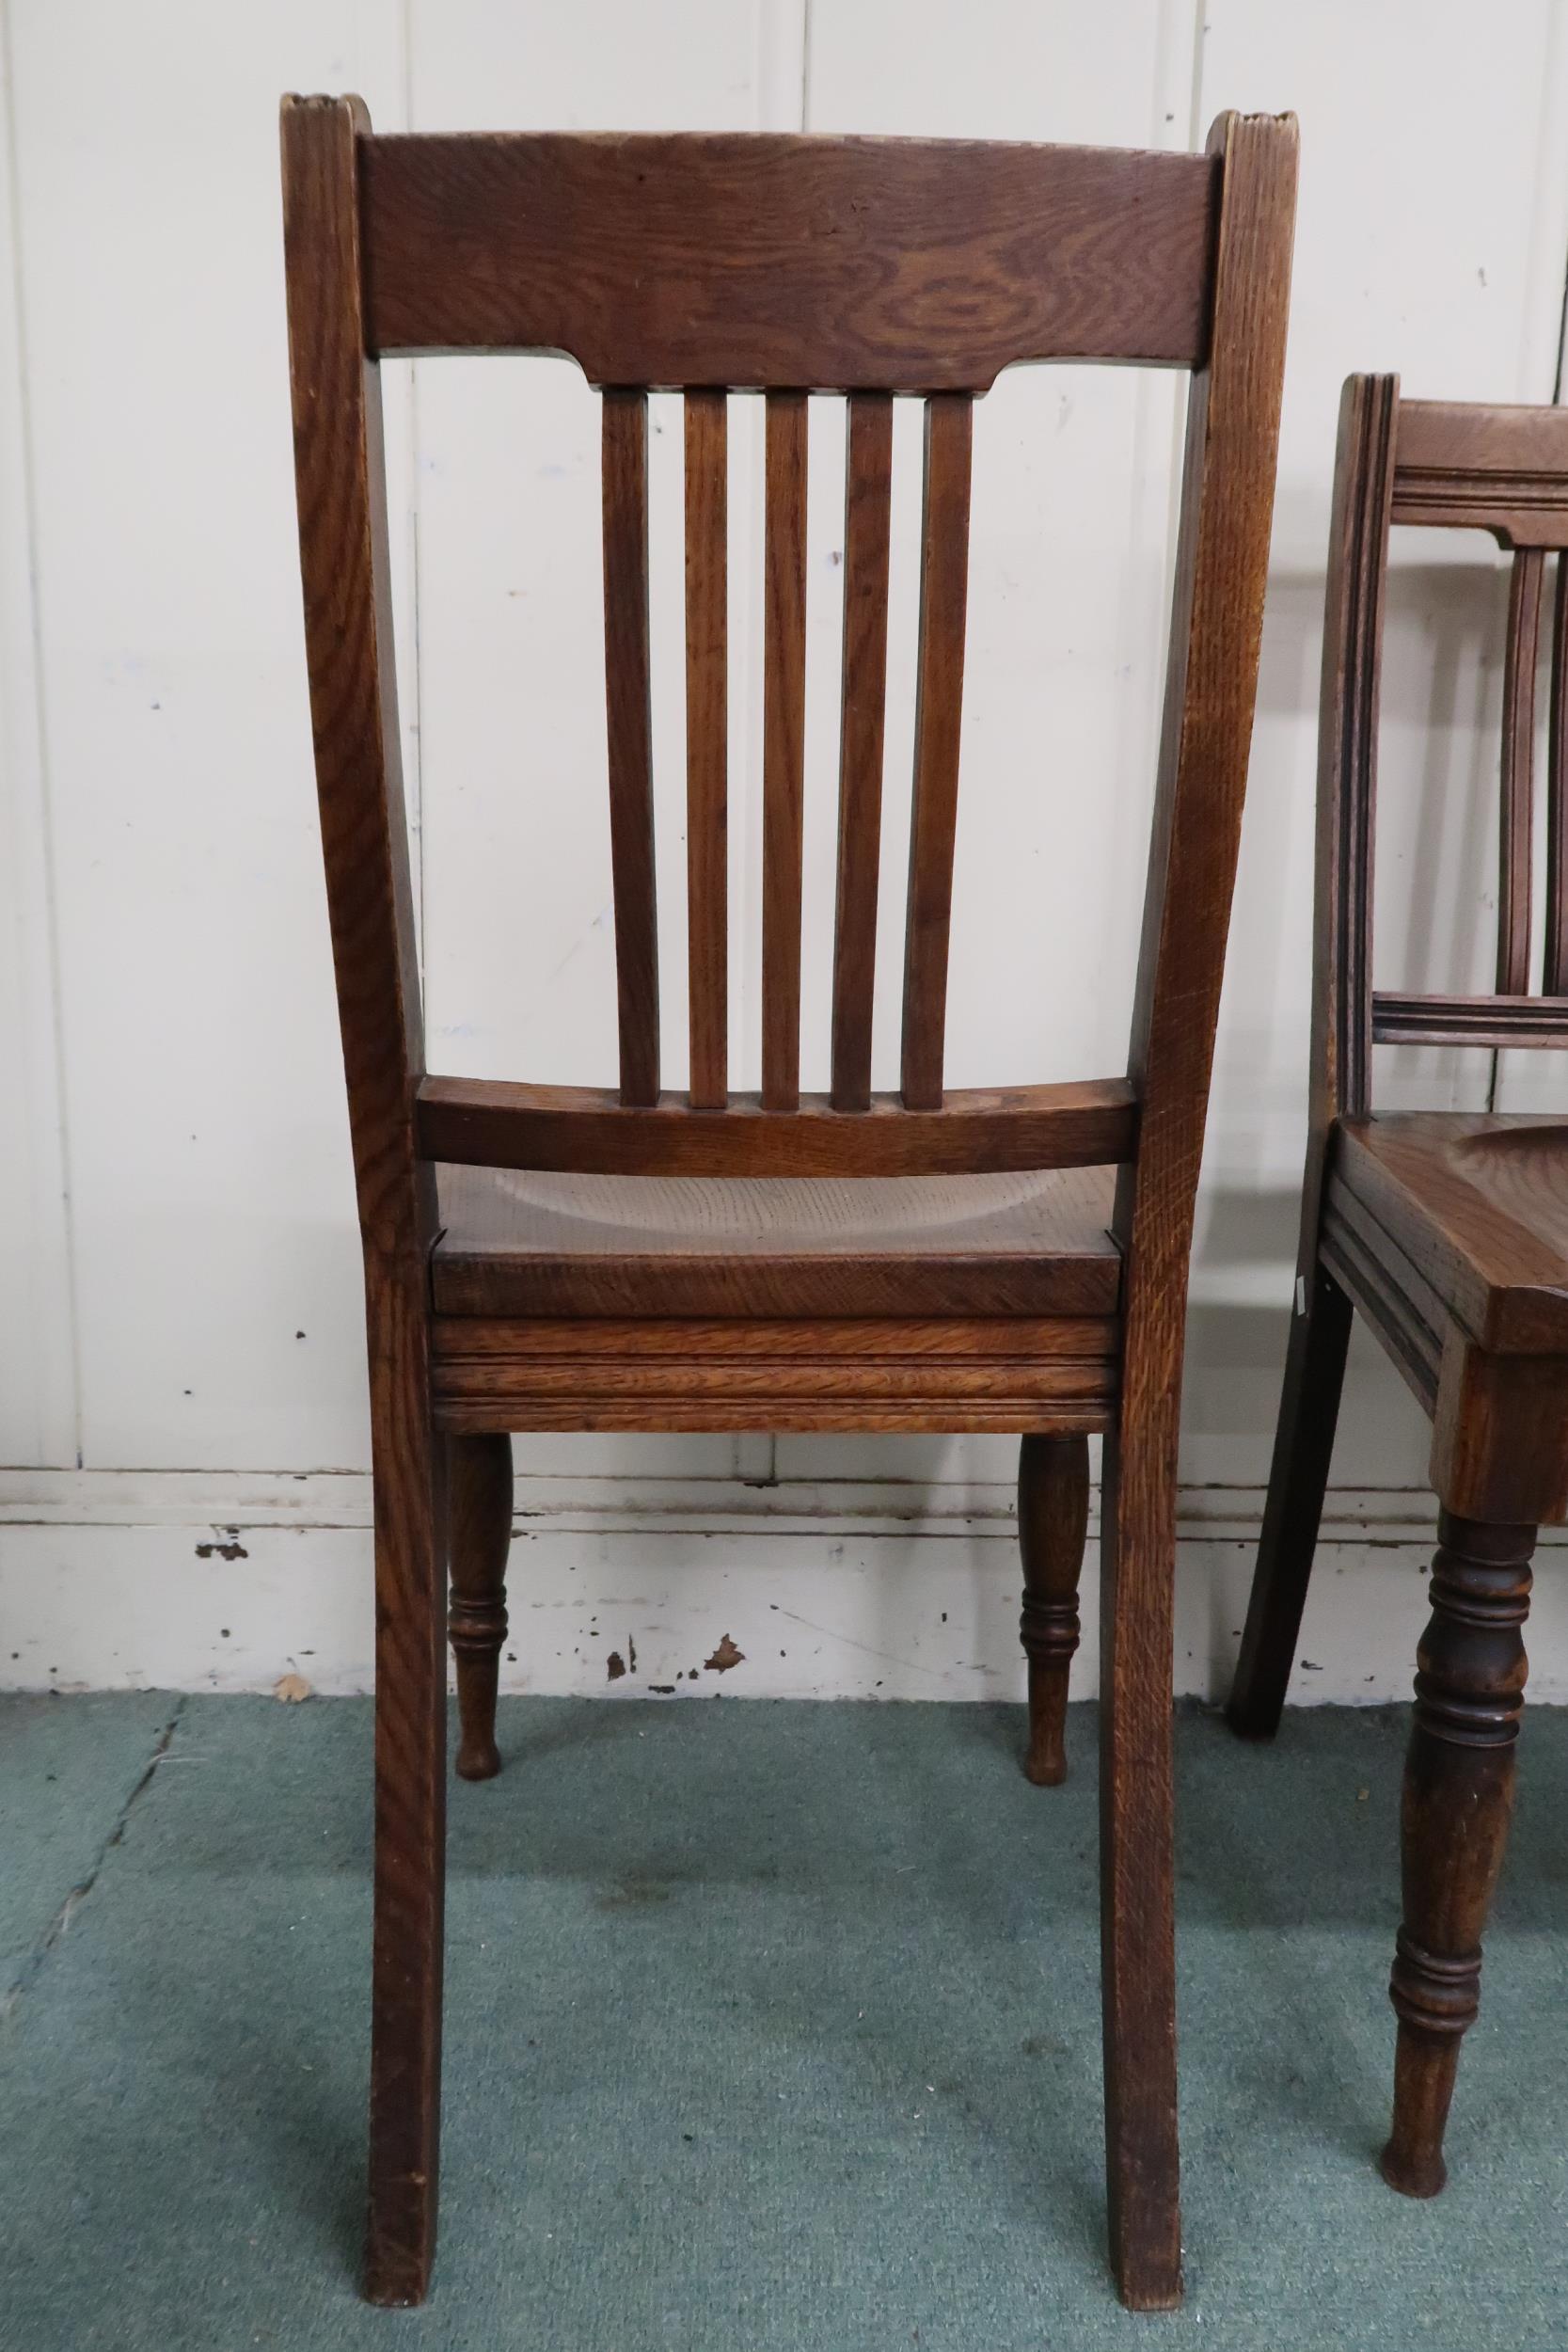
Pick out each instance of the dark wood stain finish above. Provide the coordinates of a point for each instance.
(835, 264)
(866, 524)
(631, 740)
(1458, 1801)
(1447, 1230)
(707, 836)
(938, 711)
(493, 1123)
(548, 1244)
(1518, 772)
(1053, 1522)
(348, 637)
(480, 1469)
(1554, 979)
(783, 749)
(1010, 1259)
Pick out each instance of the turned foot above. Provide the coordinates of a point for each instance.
(1458, 1801)
(1052, 1519)
(476, 1625)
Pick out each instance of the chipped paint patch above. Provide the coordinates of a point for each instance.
(226, 1545)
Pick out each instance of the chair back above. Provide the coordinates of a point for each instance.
(780, 267)
(1469, 467)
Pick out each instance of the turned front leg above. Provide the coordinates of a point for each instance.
(480, 1504)
(1052, 1520)
(1458, 1801)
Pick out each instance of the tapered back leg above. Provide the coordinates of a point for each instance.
(1298, 1480)
(411, 1817)
(1137, 1891)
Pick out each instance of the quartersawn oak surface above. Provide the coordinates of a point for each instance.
(1479, 1202)
(751, 260)
(871, 1262)
(1446, 1232)
(517, 1244)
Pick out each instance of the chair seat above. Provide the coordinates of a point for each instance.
(522, 1243)
(1474, 1206)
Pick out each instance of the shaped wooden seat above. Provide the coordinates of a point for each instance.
(1447, 1230)
(1469, 1215)
(514, 1243)
(554, 1258)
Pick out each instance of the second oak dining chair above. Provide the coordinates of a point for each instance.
(543, 1258)
(1448, 1230)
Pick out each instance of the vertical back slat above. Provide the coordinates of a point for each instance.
(631, 738)
(938, 710)
(1553, 981)
(783, 749)
(1342, 1057)
(1518, 777)
(867, 512)
(706, 729)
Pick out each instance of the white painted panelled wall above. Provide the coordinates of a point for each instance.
(181, 1376)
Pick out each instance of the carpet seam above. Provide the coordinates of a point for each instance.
(32, 1966)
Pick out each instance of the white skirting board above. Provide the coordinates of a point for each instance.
(227, 1581)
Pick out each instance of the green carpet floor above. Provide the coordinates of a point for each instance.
(768, 2025)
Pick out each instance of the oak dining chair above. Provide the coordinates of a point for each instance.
(1447, 1230)
(543, 1258)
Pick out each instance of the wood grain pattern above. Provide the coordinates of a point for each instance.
(1446, 1231)
(939, 716)
(1504, 472)
(541, 1244)
(1497, 1450)
(758, 1373)
(724, 258)
(1554, 976)
(1341, 1041)
(1459, 1775)
(1518, 772)
(1479, 1201)
(724, 1339)
(1517, 1023)
(631, 740)
(1053, 1522)
(1475, 468)
(1216, 624)
(620, 1262)
(1342, 1011)
(340, 478)
(783, 749)
(979, 1131)
(707, 839)
(480, 1472)
(859, 1404)
(1384, 1286)
(868, 514)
